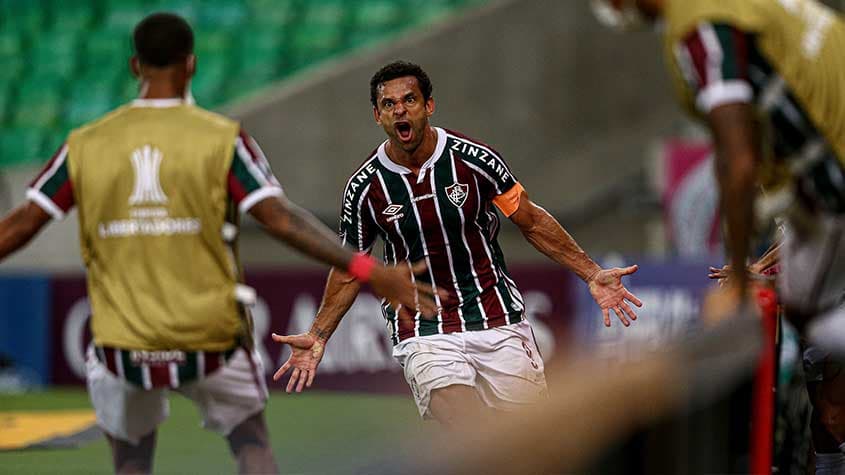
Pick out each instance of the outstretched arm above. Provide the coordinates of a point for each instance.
(736, 158)
(546, 234)
(307, 348)
(19, 226)
(302, 231)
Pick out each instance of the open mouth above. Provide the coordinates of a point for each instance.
(403, 130)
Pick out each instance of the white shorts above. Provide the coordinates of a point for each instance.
(503, 364)
(225, 398)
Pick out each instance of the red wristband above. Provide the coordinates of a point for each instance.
(361, 266)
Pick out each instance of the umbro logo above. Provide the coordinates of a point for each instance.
(392, 210)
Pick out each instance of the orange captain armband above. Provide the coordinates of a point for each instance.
(508, 202)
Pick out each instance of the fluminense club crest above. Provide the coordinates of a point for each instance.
(457, 193)
(147, 161)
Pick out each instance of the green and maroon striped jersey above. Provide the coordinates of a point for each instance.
(445, 216)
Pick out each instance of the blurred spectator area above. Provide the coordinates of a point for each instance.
(65, 63)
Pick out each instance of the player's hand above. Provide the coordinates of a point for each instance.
(725, 273)
(609, 293)
(306, 352)
(395, 284)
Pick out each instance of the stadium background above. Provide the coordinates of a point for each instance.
(585, 118)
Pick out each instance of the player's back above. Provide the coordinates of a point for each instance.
(789, 53)
(150, 184)
(802, 39)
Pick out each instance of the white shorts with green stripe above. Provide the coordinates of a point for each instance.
(226, 397)
(503, 365)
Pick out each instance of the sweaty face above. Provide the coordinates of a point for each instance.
(402, 112)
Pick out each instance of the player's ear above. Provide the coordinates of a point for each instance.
(135, 66)
(191, 65)
(376, 115)
(429, 106)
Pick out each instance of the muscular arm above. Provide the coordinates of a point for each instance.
(341, 291)
(732, 127)
(19, 226)
(546, 234)
(301, 230)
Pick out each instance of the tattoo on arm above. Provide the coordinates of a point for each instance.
(302, 231)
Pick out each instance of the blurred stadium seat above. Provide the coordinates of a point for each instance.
(64, 65)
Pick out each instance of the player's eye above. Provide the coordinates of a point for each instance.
(387, 104)
(410, 99)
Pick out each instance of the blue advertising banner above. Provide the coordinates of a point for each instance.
(24, 326)
(671, 292)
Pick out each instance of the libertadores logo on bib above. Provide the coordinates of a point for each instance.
(147, 161)
(457, 193)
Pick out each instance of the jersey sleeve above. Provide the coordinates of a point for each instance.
(52, 189)
(713, 59)
(250, 178)
(357, 228)
(496, 181)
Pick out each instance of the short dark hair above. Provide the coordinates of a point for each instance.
(162, 39)
(399, 69)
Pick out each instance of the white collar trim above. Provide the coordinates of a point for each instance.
(396, 168)
(159, 103)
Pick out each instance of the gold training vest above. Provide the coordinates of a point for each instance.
(150, 184)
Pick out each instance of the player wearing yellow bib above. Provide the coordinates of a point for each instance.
(158, 185)
(768, 78)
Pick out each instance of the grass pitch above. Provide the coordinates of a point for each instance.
(310, 433)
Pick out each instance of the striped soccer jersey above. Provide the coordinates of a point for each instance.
(785, 58)
(158, 185)
(443, 216)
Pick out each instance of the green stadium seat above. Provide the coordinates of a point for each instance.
(38, 102)
(207, 84)
(11, 44)
(260, 48)
(123, 16)
(107, 47)
(29, 18)
(87, 101)
(380, 15)
(222, 14)
(11, 67)
(213, 43)
(187, 9)
(272, 13)
(6, 101)
(53, 139)
(55, 53)
(311, 43)
(20, 145)
(78, 17)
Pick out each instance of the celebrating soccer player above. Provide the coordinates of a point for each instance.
(159, 184)
(430, 194)
(767, 77)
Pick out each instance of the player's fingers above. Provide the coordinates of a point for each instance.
(633, 299)
(303, 376)
(301, 340)
(293, 377)
(419, 267)
(428, 307)
(628, 270)
(621, 316)
(606, 314)
(278, 374)
(628, 311)
(311, 375)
